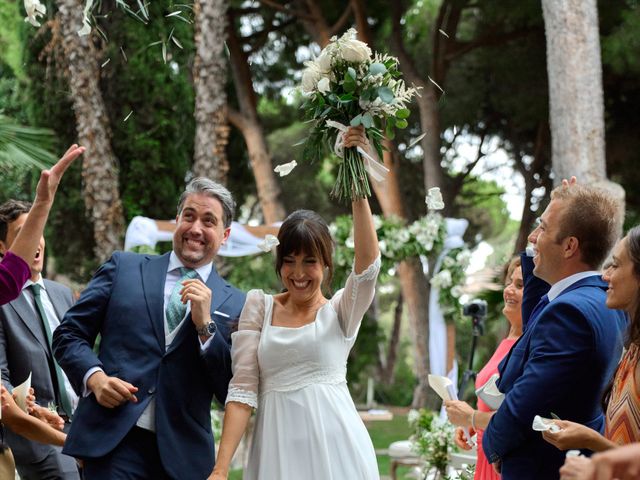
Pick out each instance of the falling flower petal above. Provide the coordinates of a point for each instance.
(434, 199)
(86, 26)
(437, 86)
(416, 140)
(268, 243)
(286, 168)
(175, 40)
(34, 10)
(105, 63)
(127, 117)
(443, 32)
(124, 55)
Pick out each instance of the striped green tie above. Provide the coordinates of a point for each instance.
(63, 397)
(175, 308)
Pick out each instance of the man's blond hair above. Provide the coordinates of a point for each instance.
(593, 216)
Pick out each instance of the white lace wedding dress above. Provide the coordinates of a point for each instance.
(306, 426)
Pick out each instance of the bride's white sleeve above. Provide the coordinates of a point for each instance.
(244, 384)
(354, 299)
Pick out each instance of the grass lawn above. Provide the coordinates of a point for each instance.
(383, 433)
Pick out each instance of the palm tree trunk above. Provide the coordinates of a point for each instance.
(209, 78)
(99, 166)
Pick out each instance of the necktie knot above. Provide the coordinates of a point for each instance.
(176, 310)
(187, 273)
(35, 288)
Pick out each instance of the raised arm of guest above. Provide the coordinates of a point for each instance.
(14, 267)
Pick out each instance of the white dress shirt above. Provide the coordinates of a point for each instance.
(561, 285)
(54, 321)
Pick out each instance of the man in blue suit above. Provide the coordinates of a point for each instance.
(164, 323)
(571, 341)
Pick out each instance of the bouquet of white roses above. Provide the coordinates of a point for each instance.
(348, 85)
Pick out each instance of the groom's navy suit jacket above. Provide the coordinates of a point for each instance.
(566, 356)
(124, 304)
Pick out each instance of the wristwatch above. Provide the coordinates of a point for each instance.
(207, 330)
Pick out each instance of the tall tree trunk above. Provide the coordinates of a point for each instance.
(576, 99)
(209, 78)
(99, 165)
(535, 175)
(247, 121)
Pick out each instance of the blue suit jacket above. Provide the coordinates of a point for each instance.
(561, 364)
(124, 304)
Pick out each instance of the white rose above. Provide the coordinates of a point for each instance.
(448, 262)
(456, 292)
(324, 62)
(324, 85)
(354, 51)
(434, 199)
(310, 77)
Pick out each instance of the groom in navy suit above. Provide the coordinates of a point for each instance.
(164, 323)
(571, 342)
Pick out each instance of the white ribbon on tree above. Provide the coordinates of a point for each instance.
(377, 170)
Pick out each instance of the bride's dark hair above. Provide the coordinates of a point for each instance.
(304, 231)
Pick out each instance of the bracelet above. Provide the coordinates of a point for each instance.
(473, 420)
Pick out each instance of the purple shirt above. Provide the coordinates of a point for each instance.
(14, 272)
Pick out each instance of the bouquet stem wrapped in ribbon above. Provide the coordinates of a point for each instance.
(348, 85)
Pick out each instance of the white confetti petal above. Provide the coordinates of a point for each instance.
(268, 243)
(105, 63)
(416, 140)
(437, 86)
(286, 168)
(127, 117)
(443, 33)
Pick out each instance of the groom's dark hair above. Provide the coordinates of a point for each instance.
(212, 189)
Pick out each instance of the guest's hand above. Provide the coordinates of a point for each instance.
(461, 438)
(459, 412)
(568, 183)
(49, 179)
(10, 408)
(199, 295)
(571, 436)
(578, 468)
(48, 416)
(356, 137)
(30, 399)
(497, 466)
(111, 392)
(622, 463)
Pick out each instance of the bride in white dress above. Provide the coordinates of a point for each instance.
(290, 355)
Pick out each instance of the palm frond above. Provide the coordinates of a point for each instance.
(24, 147)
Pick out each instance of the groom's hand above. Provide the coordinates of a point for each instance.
(111, 392)
(196, 292)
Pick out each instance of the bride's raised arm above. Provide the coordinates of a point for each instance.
(364, 233)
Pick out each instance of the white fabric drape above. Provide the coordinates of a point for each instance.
(437, 327)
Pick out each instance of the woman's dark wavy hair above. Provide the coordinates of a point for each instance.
(633, 333)
(306, 232)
